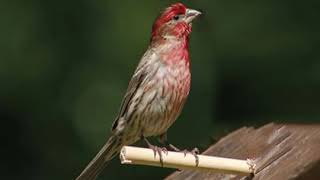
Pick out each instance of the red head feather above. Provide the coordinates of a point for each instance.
(166, 16)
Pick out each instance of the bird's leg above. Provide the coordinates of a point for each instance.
(173, 147)
(164, 140)
(156, 150)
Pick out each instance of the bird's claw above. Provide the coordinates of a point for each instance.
(194, 152)
(159, 150)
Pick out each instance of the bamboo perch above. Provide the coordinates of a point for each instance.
(178, 160)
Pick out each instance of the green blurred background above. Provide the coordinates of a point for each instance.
(65, 65)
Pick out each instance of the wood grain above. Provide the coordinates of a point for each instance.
(280, 152)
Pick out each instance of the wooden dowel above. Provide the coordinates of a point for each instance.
(178, 160)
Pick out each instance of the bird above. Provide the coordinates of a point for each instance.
(157, 90)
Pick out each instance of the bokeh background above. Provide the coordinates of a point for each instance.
(65, 65)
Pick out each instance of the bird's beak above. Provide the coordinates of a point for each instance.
(191, 14)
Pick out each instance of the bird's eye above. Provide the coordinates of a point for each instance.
(176, 17)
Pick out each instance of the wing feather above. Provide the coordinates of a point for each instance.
(136, 81)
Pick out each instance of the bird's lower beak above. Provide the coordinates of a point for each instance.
(191, 14)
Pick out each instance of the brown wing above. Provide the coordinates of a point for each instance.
(133, 86)
(140, 75)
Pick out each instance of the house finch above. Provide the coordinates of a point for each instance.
(157, 91)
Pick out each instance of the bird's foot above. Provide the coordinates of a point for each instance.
(194, 152)
(159, 150)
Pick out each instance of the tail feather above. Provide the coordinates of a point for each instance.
(107, 152)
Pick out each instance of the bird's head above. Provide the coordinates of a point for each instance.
(174, 22)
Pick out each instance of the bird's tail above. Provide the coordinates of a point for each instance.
(107, 152)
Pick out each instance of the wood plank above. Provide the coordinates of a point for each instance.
(280, 151)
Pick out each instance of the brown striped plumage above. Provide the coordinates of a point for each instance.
(158, 89)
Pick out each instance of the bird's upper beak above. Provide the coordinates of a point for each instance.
(191, 14)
